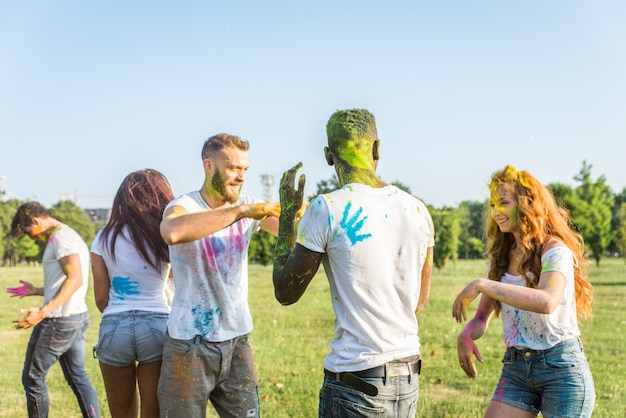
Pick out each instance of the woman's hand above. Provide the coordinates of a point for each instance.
(466, 350)
(463, 299)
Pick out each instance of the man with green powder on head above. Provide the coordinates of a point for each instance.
(376, 243)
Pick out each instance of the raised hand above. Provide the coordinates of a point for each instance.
(26, 289)
(291, 199)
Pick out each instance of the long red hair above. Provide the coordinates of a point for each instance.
(540, 220)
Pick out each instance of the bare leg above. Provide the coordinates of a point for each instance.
(148, 379)
(121, 389)
(498, 410)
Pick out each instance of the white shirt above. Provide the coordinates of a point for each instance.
(134, 284)
(375, 242)
(542, 331)
(63, 242)
(211, 275)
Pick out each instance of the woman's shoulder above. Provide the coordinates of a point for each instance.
(551, 243)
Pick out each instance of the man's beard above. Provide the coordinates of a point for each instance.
(219, 185)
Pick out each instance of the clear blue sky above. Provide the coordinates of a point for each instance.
(90, 91)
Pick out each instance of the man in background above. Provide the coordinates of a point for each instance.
(59, 326)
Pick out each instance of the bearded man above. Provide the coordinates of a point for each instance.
(207, 354)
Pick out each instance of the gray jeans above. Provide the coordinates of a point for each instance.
(196, 371)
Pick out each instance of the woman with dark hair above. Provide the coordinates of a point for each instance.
(131, 269)
(537, 282)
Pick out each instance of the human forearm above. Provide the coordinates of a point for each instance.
(529, 299)
(427, 270)
(284, 244)
(67, 289)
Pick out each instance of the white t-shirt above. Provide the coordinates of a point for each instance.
(542, 331)
(211, 274)
(63, 242)
(134, 284)
(375, 242)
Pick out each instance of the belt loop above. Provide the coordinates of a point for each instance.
(197, 339)
(386, 373)
(408, 366)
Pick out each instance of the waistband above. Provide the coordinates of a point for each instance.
(562, 346)
(387, 371)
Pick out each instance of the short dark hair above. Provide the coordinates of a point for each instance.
(351, 124)
(220, 141)
(24, 217)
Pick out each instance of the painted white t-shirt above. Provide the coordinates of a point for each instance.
(63, 242)
(211, 276)
(134, 284)
(542, 331)
(375, 243)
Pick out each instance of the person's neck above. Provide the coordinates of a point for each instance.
(367, 177)
(212, 199)
(49, 225)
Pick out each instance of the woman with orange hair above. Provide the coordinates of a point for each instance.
(537, 282)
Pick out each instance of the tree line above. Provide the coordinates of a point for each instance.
(597, 213)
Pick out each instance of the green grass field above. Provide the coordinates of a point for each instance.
(290, 344)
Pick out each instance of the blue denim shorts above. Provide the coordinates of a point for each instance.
(556, 382)
(132, 336)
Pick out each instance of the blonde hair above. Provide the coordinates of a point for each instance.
(540, 219)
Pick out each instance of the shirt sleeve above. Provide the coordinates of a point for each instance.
(558, 258)
(314, 226)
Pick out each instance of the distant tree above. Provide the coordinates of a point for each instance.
(447, 231)
(72, 215)
(476, 247)
(565, 196)
(25, 249)
(326, 186)
(261, 250)
(621, 229)
(616, 222)
(592, 212)
(7, 211)
(471, 223)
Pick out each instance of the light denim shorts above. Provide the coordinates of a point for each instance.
(132, 336)
(556, 382)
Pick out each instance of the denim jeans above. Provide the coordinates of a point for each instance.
(131, 337)
(195, 371)
(556, 382)
(62, 340)
(397, 398)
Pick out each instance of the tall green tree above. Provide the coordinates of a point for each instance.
(472, 225)
(447, 232)
(592, 212)
(261, 250)
(326, 186)
(620, 236)
(7, 211)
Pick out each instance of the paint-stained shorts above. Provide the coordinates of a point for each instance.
(196, 370)
(556, 382)
(132, 336)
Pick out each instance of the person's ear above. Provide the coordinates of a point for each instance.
(328, 156)
(206, 163)
(376, 150)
